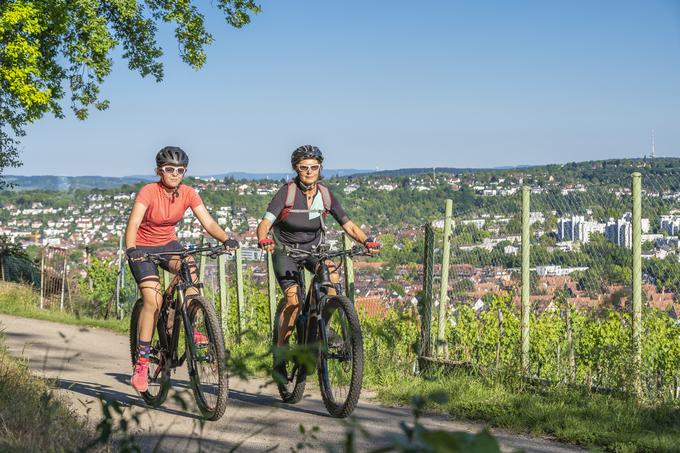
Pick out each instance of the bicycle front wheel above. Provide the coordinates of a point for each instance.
(159, 370)
(207, 363)
(341, 358)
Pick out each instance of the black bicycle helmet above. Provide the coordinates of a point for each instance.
(306, 152)
(172, 155)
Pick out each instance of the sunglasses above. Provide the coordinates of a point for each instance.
(169, 170)
(306, 168)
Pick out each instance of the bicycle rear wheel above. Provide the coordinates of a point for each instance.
(159, 371)
(208, 363)
(289, 372)
(341, 358)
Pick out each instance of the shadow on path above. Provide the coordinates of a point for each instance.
(106, 393)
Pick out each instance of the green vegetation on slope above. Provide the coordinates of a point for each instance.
(20, 300)
(33, 419)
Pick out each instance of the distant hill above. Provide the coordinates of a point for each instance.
(254, 176)
(50, 182)
(447, 170)
(603, 170)
(584, 169)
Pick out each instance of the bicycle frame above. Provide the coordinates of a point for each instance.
(312, 308)
(175, 294)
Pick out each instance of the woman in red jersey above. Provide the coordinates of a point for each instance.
(158, 207)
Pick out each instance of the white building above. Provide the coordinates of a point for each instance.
(577, 228)
(620, 231)
(671, 224)
(556, 270)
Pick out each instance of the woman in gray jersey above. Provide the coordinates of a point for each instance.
(297, 214)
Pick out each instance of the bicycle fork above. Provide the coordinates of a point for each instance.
(188, 333)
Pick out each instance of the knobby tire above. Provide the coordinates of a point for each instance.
(154, 400)
(216, 346)
(290, 392)
(343, 408)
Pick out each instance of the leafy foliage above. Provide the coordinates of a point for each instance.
(48, 46)
(99, 284)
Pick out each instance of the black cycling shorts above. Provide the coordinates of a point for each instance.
(144, 269)
(287, 269)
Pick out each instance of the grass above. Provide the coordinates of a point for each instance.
(21, 300)
(32, 418)
(597, 421)
(609, 423)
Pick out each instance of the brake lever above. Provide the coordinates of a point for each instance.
(217, 251)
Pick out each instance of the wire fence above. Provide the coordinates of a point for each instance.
(578, 284)
(19, 269)
(53, 278)
(530, 278)
(661, 283)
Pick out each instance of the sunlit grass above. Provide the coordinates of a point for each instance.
(597, 421)
(20, 300)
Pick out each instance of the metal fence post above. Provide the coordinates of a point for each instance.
(637, 282)
(349, 268)
(308, 281)
(42, 279)
(570, 345)
(224, 305)
(240, 298)
(428, 271)
(63, 282)
(271, 287)
(444, 282)
(202, 262)
(526, 277)
(118, 280)
(167, 277)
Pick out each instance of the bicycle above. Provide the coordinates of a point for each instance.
(204, 342)
(327, 326)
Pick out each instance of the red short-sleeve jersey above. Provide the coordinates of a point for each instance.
(163, 212)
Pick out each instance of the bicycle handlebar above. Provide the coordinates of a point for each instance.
(210, 251)
(356, 250)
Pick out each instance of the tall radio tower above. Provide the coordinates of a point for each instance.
(653, 147)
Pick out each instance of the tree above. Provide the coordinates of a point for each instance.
(99, 284)
(48, 47)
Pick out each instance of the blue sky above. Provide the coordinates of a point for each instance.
(391, 84)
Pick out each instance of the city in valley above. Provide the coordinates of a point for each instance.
(579, 228)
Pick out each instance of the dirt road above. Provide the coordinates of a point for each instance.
(93, 363)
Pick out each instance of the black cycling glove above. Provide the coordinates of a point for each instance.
(230, 244)
(134, 254)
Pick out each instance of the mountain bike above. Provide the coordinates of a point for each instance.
(203, 343)
(327, 329)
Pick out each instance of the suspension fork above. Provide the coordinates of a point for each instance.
(188, 333)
